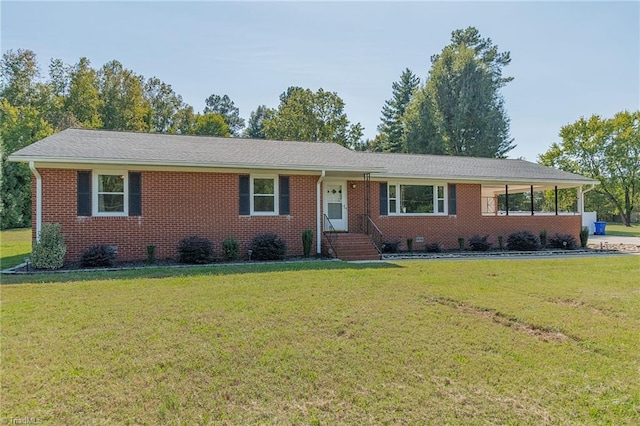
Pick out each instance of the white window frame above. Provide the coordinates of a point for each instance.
(96, 176)
(398, 198)
(276, 195)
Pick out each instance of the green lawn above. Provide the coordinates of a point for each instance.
(625, 231)
(544, 341)
(15, 245)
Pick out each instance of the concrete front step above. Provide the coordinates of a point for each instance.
(350, 246)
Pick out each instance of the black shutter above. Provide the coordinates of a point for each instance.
(135, 194)
(245, 195)
(84, 193)
(384, 199)
(452, 199)
(284, 195)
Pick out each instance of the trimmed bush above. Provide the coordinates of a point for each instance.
(307, 242)
(410, 244)
(268, 247)
(151, 254)
(391, 246)
(48, 252)
(98, 255)
(523, 241)
(479, 243)
(584, 236)
(543, 238)
(563, 241)
(195, 250)
(501, 242)
(433, 248)
(230, 249)
(461, 243)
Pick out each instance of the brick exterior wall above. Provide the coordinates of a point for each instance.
(468, 221)
(175, 205)
(179, 204)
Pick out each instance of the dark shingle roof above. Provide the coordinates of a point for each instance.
(110, 147)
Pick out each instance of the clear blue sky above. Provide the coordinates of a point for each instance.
(569, 59)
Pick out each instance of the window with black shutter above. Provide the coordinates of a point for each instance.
(284, 195)
(84, 193)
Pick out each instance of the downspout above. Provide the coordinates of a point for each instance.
(319, 214)
(581, 198)
(35, 172)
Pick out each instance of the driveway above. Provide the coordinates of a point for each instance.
(626, 244)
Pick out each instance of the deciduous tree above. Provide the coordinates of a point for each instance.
(224, 106)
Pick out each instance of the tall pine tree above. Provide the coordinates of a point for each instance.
(391, 129)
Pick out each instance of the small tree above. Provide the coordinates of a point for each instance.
(49, 250)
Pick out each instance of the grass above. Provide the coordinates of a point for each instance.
(543, 341)
(15, 245)
(624, 231)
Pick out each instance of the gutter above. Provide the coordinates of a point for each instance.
(319, 213)
(581, 198)
(38, 199)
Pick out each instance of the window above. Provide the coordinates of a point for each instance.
(264, 193)
(111, 194)
(417, 199)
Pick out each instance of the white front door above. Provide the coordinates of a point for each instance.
(335, 205)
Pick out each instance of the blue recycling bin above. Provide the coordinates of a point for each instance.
(600, 228)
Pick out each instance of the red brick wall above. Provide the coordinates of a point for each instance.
(175, 205)
(468, 221)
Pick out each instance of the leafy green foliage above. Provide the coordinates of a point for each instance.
(480, 243)
(195, 250)
(98, 255)
(460, 110)
(543, 238)
(607, 150)
(210, 124)
(307, 242)
(230, 249)
(83, 100)
(255, 126)
(563, 241)
(49, 249)
(523, 241)
(268, 247)
(304, 115)
(165, 104)
(391, 246)
(224, 106)
(434, 247)
(391, 129)
(584, 236)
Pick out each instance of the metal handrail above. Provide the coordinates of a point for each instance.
(375, 234)
(330, 235)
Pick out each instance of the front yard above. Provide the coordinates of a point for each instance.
(538, 341)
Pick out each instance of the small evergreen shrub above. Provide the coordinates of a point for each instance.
(584, 236)
(461, 243)
(410, 244)
(307, 242)
(230, 249)
(98, 255)
(543, 238)
(151, 254)
(391, 246)
(433, 248)
(268, 247)
(523, 241)
(195, 250)
(501, 242)
(479, 243)
(48, 252)
(563, 241)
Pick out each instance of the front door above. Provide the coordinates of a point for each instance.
(335, 205)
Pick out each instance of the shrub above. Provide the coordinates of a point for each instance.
(98, 255)
(410, 244)
(584, 236)
(563, 241)
(523, 241)
(390, 246)
(461, 243)
(433, 248)
(48, 252)
(501, 242)
(268, 247)
(195, 250)
(543, 238)
(151, 254)
(307, 242)
(479, 243)
(230, 249)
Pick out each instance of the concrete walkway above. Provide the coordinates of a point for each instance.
(614, 239)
